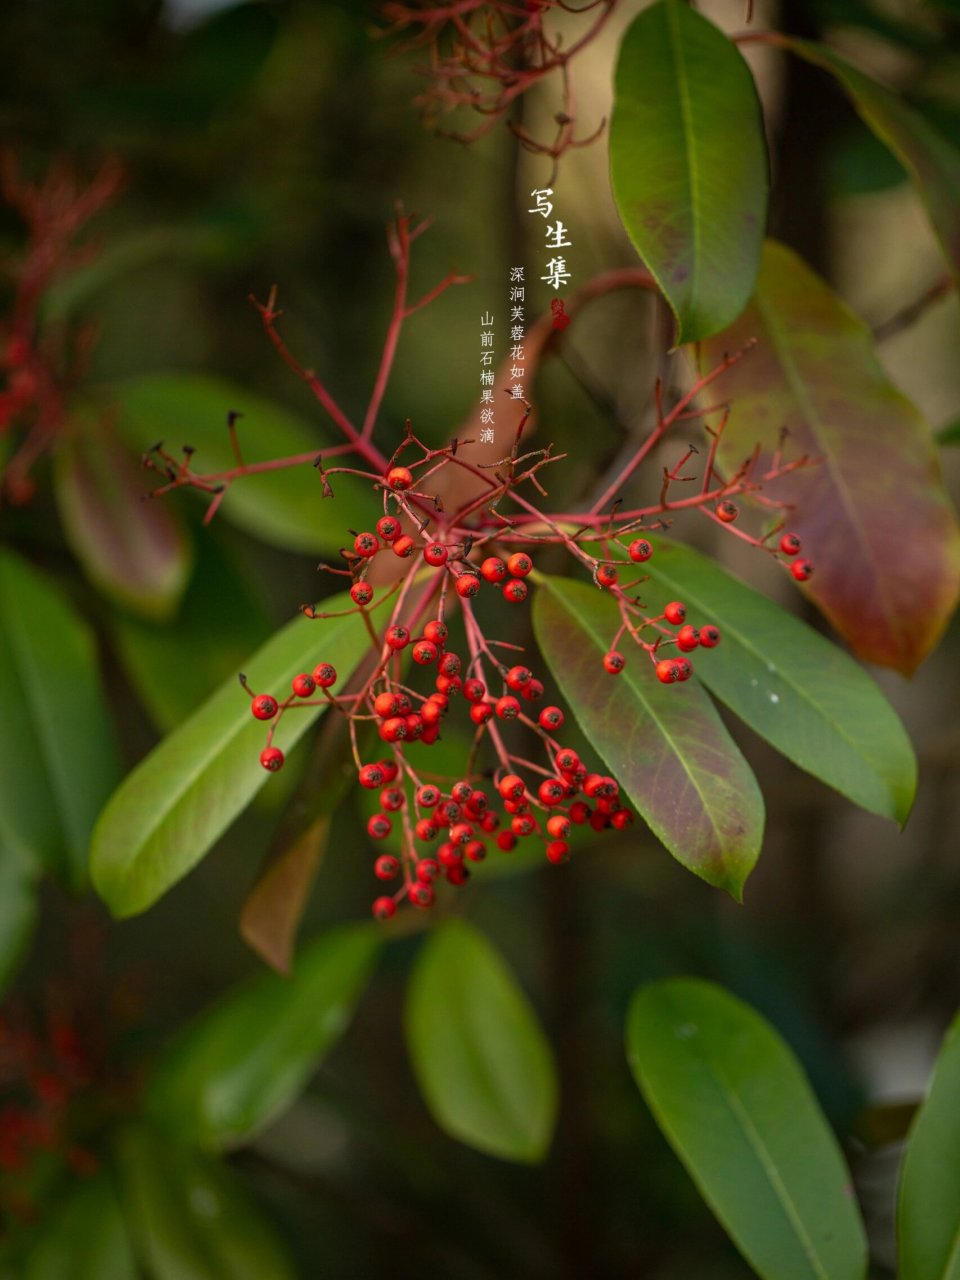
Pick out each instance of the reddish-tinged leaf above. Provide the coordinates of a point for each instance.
(133, 551)
(931, 161)
(666, 745)
(873, 514)
(273, 910)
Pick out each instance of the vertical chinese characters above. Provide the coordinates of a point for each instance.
(486, 378)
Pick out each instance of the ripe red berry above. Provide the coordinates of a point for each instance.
(449, 854)
(427, 869)
(522, 825)
(551, 719)
(457, 874)
(264, 707)
(519, 564)
(475, 850)
(474, 690)
(361, 593)
(386, 866)
(424, 653)
(389, 771)
(385, 704)
(801, 570)
(271, 758)
(515, 591)
(436, 631)
(614, 662)
(551, 791)
(461, 791)
(508, 708)
(448, 684)
(428, 796)
(391, 799)
(667, 671)
(481, 712)
(567, 760)
(303, 685)
(325, 675)
(425, 829)
(558, 826)
(790, 544)
(639, 550)
(684, 668)
(688, 638)
(709, 637)
(431, 713)
(371, 776)
(675, 612)
(450, 664)
(400, 478)
(607, 575)
(511, 786)
(435, 553)
(517, 678)
(421, 895)
(579, 812)
(366, 545)
(727, 511)
(558, 851)
(403, 546)
(384, 908)
(493, 569)
(379, 826)
(467, 585)
(415, 726)
(397, 637)
(506, 841)
(532, 691)
(622, 819)
(388, 528)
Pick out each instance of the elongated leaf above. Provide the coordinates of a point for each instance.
(928, 1214)
(133, 551)
(735, 1106)
(666, 745)
(793, 687)
(285, 508)
(932, 162)
(174, 805)
(244, 1060)
(688, 164)
(58, 759)
(274, 907)
(873, 514)
(189, 1216)
(483, 1065)
(84, 1238)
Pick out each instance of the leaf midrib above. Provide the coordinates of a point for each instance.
(686, 113)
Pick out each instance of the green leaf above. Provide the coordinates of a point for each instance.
(84, 1238)
(688, 164)
(666, 745)
(58, 758)
(793, 687)
(932, 162)
(18, 911)
(285, 507)
(735, 1106)
(133, 551)
(928, 1213)
(950, 434)
(190, 1217)
(183, 796)
(872, 512)
(482, 1062)
(248, 1057)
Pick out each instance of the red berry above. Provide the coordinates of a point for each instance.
(688, 638)
(388, 528)
(457, 874)
(461, 832)
(427, 869)
(384, 908)
(379, 826)
(614, 662)
(431, 713)
(558, 826)
(474, 690)
(389, 771)
(303, 685)
(517, 678)
(551, 791)
(361, 593)
(399, 478)
(461, 791)
(801, 569)
(397, 637)
(511, 786)
(727, 511)
(551, 719)
(436, 631)
(567, 760)
(271, 758)
(709, 637)
(522, 825)
(425, 829)
(403, 546)
(391, 799)
(481, 712)
(639, 550)
(386, 866)
(366, 545)
(508, 708)
(448, 684)
(424, 653)
(493, 569)
(421, 895)
(532, 691)
(435, 553)
(428, 796)
(450, 664)
(506, 841)
(371, 776)
(467, 585)
(622, 819)
(684, 668)
(790, 544)
(519, 564)
(325, 675)
(475, 850)
(477, 802)
(579, 812)
(675, 612)
(515, 591)
(558, 851)
(415, 726)
(667, 671)
(264, 707)
(385, 704)
(607, 575)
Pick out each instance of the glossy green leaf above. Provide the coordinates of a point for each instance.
(688, 164)
(190, 1217)
(736, 1107)
(133, 551)
(873, 514)
(932, 162)
(482, 1062)
(183, 796)
(665, 744)
(803, 694)
(18, 910)
(248, 1057)
(84, 1238)
(220, 622)
(58, 759)
(928, 1214)
(284, 507)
